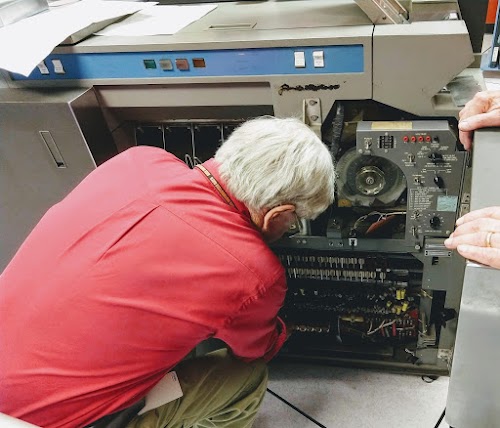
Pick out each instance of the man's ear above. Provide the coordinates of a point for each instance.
(277, 221)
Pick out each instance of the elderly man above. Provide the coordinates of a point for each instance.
(145, 259)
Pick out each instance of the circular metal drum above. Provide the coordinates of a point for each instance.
(369, 181)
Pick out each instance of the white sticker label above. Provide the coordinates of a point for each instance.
(166, 390)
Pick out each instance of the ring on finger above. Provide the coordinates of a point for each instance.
(489, 235)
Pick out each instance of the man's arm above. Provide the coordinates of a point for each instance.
(256, 331)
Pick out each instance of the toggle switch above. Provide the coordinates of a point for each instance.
(43, 68)
(299, 59)
(438, 180)
(58, 67)
(318, 59)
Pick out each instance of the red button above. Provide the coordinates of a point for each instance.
(420, 138)
(428, 138)
(199, 62)
(413, 138)
(405, 138)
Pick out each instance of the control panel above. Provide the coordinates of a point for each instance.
(227, 62)
(421, 159)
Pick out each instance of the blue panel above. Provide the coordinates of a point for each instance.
(490, 58)
(231, 62)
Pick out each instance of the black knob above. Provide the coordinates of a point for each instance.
(438, 180)
(436, 157)
(435, 222)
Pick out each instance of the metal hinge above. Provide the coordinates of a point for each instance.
(384, 11)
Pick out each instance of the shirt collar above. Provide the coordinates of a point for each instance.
(213, 167)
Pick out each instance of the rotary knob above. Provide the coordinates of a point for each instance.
(436, 157)
(435, 222)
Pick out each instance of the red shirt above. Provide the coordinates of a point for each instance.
(120, 280)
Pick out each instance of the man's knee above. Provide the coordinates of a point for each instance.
(260, 373)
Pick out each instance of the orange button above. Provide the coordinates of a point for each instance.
(182, 64)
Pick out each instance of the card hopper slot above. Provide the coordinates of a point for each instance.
(235, 26)
(53, 149)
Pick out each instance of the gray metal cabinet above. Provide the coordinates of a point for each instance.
(46, 137)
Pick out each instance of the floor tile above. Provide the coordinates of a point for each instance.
(276, 414)
(358, 398)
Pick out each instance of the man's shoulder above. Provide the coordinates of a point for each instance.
(259, 260)
(140, 167)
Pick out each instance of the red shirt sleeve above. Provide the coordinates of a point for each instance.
(256, 331)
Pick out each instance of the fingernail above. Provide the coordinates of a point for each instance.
(463, 125)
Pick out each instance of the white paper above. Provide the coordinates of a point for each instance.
(166, 390)
(157, 20)
(25, 43)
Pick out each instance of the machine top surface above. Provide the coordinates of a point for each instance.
(284, 14)
(250, 22)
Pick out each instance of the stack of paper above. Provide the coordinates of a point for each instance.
(157, 20)
(25, 43)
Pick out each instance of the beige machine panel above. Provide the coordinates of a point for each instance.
(411, 63)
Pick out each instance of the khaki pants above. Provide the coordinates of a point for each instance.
(219, 392)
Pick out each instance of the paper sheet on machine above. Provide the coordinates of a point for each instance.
(157, 20)
(25, 43)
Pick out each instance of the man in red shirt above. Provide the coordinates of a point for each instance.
(145, 259)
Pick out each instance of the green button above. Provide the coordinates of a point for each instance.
(149, 63)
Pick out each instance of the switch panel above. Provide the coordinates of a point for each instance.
(277, 61)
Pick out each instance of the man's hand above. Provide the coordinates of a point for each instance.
(480, 112)
(477, 236)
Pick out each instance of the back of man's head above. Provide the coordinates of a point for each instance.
(268, 162)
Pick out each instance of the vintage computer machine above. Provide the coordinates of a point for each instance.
(370, 281)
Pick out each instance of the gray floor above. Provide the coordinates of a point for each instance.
(350, 398)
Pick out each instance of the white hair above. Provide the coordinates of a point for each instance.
(268, 162)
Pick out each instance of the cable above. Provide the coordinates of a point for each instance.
(189, 161)
(337, 128)
(440, 419)
(381, 217)
(429, 379)
(296, 409)
(381, 326)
